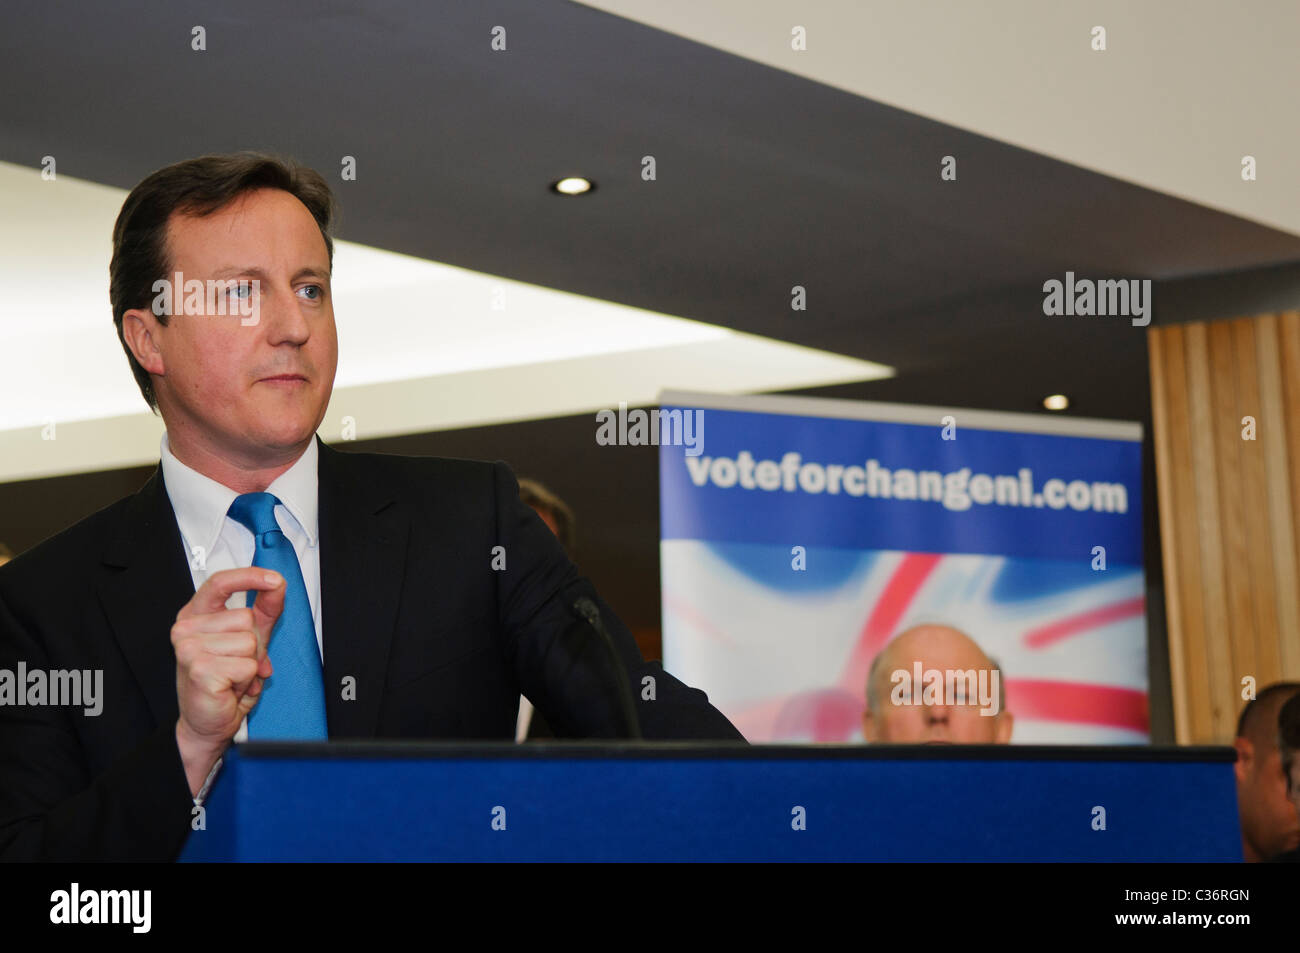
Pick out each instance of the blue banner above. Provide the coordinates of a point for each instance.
(801, 537)
(770, 478)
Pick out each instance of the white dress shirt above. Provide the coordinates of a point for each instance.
(213, 541)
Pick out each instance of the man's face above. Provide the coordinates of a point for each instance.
(253, 393)
(1293, 788)
(548, 519)
(940, 648)
(1269, 819)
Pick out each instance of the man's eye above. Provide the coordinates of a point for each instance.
(243, 289)
(316, 289)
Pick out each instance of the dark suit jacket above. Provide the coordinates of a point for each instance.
(440, 645)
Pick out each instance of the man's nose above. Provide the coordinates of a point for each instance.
(283, 317)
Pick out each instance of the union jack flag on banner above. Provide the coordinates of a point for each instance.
(800, 536)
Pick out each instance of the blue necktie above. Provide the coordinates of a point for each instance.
(292, 705)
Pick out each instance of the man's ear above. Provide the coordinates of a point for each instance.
(1245, 756)
(140, 330)
(1006, 723)
(868, 726)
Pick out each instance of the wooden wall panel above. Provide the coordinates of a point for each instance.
(1229, 513)
(1253, 367)
(1169, 417)
(1288, 351)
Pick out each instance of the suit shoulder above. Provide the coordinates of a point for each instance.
(444, 474)
(56, 556)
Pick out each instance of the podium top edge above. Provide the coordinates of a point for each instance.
(737, 751)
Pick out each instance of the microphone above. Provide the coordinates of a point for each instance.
(607, 671)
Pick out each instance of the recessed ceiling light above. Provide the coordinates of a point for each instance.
(573, 185)
(1056, 402)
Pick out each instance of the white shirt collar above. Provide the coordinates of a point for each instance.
(201, 503)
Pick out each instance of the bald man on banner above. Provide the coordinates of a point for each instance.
(934, 685)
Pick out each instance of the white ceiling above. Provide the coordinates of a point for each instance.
(1184, 90)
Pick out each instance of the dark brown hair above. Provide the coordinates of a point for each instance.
(1270, 698)
(540, 498)
(194, 187)
(1288, 735)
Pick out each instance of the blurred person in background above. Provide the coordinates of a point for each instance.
(1288, 742)
(555, 513)
(1269, 825)
(899, 714)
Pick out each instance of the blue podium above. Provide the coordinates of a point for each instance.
(355, 801)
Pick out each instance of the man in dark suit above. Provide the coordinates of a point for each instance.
(1269, 825)
(1288, 743)
(263, 585)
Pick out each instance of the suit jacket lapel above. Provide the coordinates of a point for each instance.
(363, 538)
(363, 534)
(146, 581)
